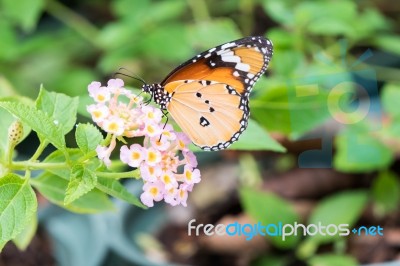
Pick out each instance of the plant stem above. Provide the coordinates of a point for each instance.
(24, 165)
(74, 21)
(43, 144)
(130, 174)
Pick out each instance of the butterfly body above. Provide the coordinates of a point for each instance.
(208, 96)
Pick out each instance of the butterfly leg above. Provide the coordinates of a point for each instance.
(165, 114)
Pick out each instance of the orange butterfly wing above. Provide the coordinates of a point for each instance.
(238, 63)
(212, 114)
(209, 93)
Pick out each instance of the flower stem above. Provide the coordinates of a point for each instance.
(43, 144)
(131, 174)
(24, 165)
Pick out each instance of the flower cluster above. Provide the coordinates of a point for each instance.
(167, 166)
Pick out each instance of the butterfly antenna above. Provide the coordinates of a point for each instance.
(130, 75)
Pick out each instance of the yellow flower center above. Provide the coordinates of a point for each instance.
(100, 97)
(167, 179)
(181, 144)
(150, 129)
(135, 155)
(188, 175)
(113, 126)
(97, 114)
(152, 156)
(151, 170)
(153, 191)
(150, 115)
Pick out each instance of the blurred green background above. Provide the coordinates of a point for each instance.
(319, 44)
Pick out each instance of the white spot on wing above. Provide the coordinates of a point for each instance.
(221, 52)
(236, 74)
(242, 67)
(234, 59)
(227, 45)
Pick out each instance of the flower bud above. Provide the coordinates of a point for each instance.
(15, 133)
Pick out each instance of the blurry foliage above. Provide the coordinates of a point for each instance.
(46, 42)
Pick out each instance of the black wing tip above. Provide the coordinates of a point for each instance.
(264, 41)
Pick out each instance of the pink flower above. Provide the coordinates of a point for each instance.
(152, 191)
(93, 88)
(160, 144)
(103, 153)
(98, 112)
(152, 115)
(167, 166)
(169, 180)
(170, 196)
(114, 125)
(115, 84)
(183, 141)
(191, 176)
(150, 173)
(182, 195)
(168, 133)
(151, 130)
(190, 158)
(132, 156)
(152, 156)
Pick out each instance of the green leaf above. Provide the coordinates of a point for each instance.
(116, 189)
(60, 107)
(54, 187)
(289, 62)
(386, 192)
(23, 239)
(391, 99)
(9, 49)
(359, 151)
(223, 30)
(309, 13)
(282, 39)
(389, 42)
(280, 11)
(81, 182)
(175, 45)
(332, 260)
(59, 157)
(330, 27)
(291, 111)
(18, 205)
(256, 138)
(331, 211)
(268, 208)
(87, 137)
(38, 121)
(24, 13)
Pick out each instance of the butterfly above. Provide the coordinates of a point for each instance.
(208, 95)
